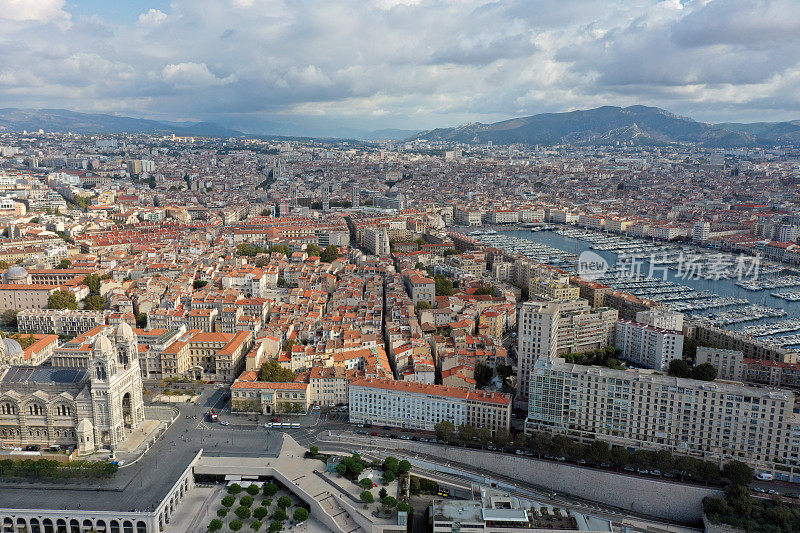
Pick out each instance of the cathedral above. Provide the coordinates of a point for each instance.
(92, 408)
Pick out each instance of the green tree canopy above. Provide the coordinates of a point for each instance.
(64, 264)
(300, 514)
(255, 525)
(235, 525)
(313, 250)
(330, 254)
(365, 483)
(737, 472)
(284, 502)
(246, 501)
(94, 302)
(215, 525)
(222, 512)
(270, 489)
(234, 488)
(199, 284)
(272, 371)
(253, 489)
(9, 318)
(62, 299)
(444, 430)
(388, 477)
(444, 286)
(279, 514)
(367, 497)
(705, 372)
(259, 513)
(275, 526)
(679, 369)
(93, 282)
(228, 501)
(242, 512)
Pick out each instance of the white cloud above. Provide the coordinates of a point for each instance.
(154, 17)
(407, 63)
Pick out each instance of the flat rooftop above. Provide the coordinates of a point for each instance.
(44, 374)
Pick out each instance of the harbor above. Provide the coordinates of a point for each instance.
(743, 300)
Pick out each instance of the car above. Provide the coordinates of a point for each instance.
(224, 423)
(773, 491)
(519, 452)
(629, 468)
(793, 495)
(561, 458)
(759, 489)
(642, 471)
(268, 425)
(315, 408)
(581, 461)
(361, 425)
(655, 472)
(405, 437)
(120, 462)
(765, 476)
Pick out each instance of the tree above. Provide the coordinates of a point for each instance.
(521, 440)
(366, 497)
(199, 284)
(388, 477)
(246, 501)
(705, 372)
(284, 502)
(93, 281)
(64, 264)
(222, 512)
(422, 305)
(272, 371)
(9, 318)
(466, 432)
(234, 489)
(483, 375)
(259, 513)
(256, 525)
(270, 489)
(403, 506)
(389, 502)
(444, 430)
(403, 467)
(275, 526)
(300, 514)
(502, 437)
(619, 456)
(94, 302)
(228, 501)
(504, 371)
(365, 483)
(313, 250)
(242, 512)
(709, 472)
(141, 320)
(598, 452)
(444, 287)
(737, 472)
(279, 514)
(235, 525)
(382, 493)
(314, 450)
(390, 464)
(62, 299)
(215, 525)
(330, 254)
(484, 290)
(279, 249)
(341, 469)
(253, 489)
(679, 369)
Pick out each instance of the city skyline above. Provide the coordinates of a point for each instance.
(323, 68)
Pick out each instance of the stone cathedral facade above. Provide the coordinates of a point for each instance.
(92, 408)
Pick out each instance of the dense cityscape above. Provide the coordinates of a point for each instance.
(399, 266)
(194, 298)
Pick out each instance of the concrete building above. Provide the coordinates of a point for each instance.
(701, 231)
(648, 346)
(93, 408)
(356, 195)
(65, 322)
(412, 405)
(420, 288)
(549, 327)
(661, 317)
(641, 409)
(376, 240)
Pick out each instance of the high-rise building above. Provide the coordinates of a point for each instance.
(293, 195)
(701, 231)
(548, 328)
(715, 421)
(326, 197)
(356, 192)
(648, 346)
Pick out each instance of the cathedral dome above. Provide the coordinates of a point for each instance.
(15, 274)
(102, 346)
(9, 348)
(124, 332)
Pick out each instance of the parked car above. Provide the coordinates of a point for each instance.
(765, 476)
(759, 489)
(224, 423)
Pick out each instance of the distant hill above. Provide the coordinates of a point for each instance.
(388, 134)
(639, 125)
(772, 132)
(62, 120)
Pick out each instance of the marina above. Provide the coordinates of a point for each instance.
(684, 277)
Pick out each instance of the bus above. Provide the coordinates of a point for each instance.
(212, 415)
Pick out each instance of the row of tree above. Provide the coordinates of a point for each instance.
(50, 469)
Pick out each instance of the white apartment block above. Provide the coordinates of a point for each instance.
(617, 225)
(729, 363)
(252, 282)
(502, 216)
(411, 405)
(591, 221)
(547, 328)
(421, 288)
(641, 409)
(701, 231)
(376, 240)
(467, 217)
(648, 346)
(65, 322)
(661, 317)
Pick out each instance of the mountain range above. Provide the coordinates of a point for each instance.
(608, 125)
(638, 125)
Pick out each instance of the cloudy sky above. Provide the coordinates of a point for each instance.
(320, 65)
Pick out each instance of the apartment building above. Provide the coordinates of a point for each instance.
(556, 287)
(269, 397)
(330, 385)
(206, 355)
(731, 364)
(642, 409)
(412, 405)
(467, 217)
(65, 322)
(547, 328)
(661, 317)
(420, 288)
(376, 240)
(648, 346)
